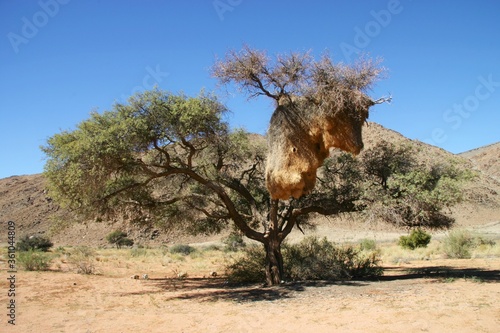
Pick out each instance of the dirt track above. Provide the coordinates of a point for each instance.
(428, 296)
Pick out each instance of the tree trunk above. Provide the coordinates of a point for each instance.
(274, 261)
(272, 245)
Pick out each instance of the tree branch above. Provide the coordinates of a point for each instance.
(383, 100)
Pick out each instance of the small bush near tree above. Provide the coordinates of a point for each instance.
(34, 243)
(458, 244)
(82, 259)
(34, 260)
(368, 245)
(233, 242)
(182, 249)
(119, 239)
(249, 268)
(311, 259)
(417, 238)
(320, 259)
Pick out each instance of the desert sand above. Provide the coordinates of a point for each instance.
(420, 296)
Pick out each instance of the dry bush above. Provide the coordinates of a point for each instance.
(311, 259)
(82, 258)
(34, 260)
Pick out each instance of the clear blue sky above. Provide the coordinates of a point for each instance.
(61, 59)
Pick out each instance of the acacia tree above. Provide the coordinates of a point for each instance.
(171, 160)
(405, 193)
(319, 105)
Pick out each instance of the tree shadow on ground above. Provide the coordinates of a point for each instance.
(215, 289)
(440, 272)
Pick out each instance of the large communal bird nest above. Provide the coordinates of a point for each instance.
(320, 105)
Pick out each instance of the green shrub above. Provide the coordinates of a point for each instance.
(125, 242)
(249, 268)
(119, 238)
(458, 244)
(233, 242)
(315, 259)
(311, 259)
(34, 260)
(82, 259)
(34, 243)
(211, 247)
(417, 238)
(182, 249)
(138, 252)
(481, 241)
(368, 245)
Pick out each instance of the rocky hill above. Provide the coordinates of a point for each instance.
(486, 159)
(25, 199)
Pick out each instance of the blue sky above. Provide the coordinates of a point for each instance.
(61, 59)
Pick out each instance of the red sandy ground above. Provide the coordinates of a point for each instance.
(424, 296)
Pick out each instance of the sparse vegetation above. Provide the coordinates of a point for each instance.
(82, 258)
(403, 192)
(119, 239)
(248, 268)
(458, 244)
(461, 243)
(367, 245)
(182, 249)
(138, 252)
(311, 259)
(234, 242)
(320, 259)
(34, 243)
(216, 175)
(417, 238)
(34, 260)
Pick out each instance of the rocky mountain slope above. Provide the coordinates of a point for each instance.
(25, 199)
(486, 159)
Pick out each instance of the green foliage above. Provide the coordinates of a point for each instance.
(341, 178)
(139, 252)
(182, 249)
(367, 245)
(119, 239)
(171, 161)
(249, 268)
(32, 260)
(407, 194)
(115, 236)
(159, 159)
(311, 259)
(387, 159)
(125, 242)
(458, 244)
(82, 259)
(108, 152)
(34, 243)
(417, 238)
(320, 259)
(234, 242)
